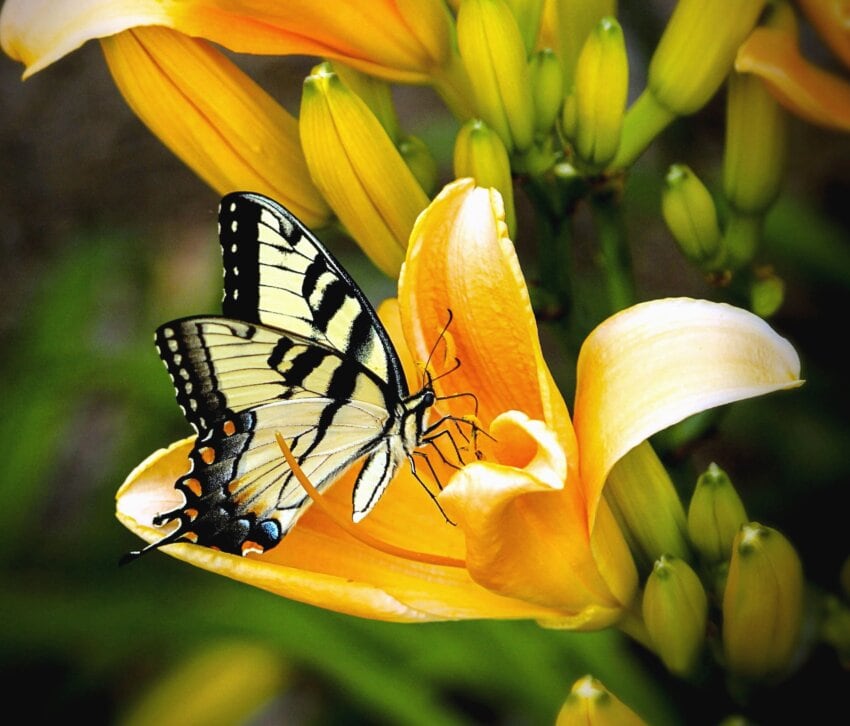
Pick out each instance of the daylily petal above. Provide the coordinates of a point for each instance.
(656, 363)
(461, 262)
(319, 564)
(806, 90)
(526, 534)
(214, 117)
(378, 37)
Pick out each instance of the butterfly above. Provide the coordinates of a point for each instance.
(299, 350)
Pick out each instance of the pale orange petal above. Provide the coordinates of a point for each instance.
(375, 36)
(526, 533)
(319, 564)
(461, 262)
(803, 88)
(656, 363)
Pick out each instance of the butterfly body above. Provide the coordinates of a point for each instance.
(300, 351)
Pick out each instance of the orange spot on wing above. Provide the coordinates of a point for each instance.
(191, 514)
(207, 454)
(229, 428)
(249, 546)
(194, 486)
(191, 537)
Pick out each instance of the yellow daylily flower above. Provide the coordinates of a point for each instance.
(534, 537)
(401, 40)
(773, 54)
(214, 117)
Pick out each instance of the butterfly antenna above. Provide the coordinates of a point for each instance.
(440, 337)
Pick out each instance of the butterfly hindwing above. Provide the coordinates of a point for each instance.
(299, 351)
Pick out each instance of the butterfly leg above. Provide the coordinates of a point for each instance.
(424, 485)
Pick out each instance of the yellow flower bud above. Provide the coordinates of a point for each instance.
(487, 30)
(479, 153)
(697, 51)
(767, 293)
(756, 141)
(547, 84)
(675, 610)
(762, 603)
(591, 704)
(420, 160)
(528, 14)
(375, 92)
(601, 86)
(647, 507)
(358, 169)
(690, 214)
(715, 515)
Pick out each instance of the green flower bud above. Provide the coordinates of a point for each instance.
(675, 610)
(547, 84)
(487, 29)
(767, 293)
(647, 507)
(601, 86)
(695, 53)
(591, 704)
(762, 603)
(479, 153)
(741, 238)
(756, 141)
(835, 628)
(715, 515)
(420, 161)
(690, 214)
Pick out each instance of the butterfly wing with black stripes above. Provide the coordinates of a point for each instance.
(299, 350)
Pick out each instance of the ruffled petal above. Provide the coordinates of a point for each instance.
(214, 117)
(320, 564)
(377, 37)
(526, 534)
(656, 363)
(803, 88)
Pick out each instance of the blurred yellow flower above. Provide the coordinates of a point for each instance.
(591, 704)
(534, 536)
(773, 54)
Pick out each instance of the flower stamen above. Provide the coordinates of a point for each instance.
(350, 528)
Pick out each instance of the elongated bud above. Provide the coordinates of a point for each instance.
(591, 704)
(547, 83)
(675, 610)
(479, 153)
(601, 85)
(420, 161)
(647, 507)
(762, 603)
(487, 29)
(576, 19)
(528, 14)
(756, 142)
(715, 515)
(357, 168)
(695, 54)
(741, 237)
(375, 92)
(697, 51)
(690, 214)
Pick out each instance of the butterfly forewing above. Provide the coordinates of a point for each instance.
(299, 351)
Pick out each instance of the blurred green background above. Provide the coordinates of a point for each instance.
(105, 236)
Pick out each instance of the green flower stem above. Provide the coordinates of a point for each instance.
(554, 238)
(632, 625)
(614, 259)
(644, 120)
